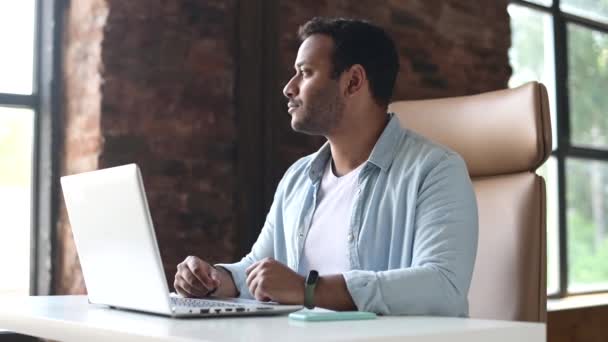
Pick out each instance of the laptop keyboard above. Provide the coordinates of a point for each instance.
(202, 303)
(218, 306)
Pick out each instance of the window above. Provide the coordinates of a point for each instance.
(27, 144)
(17, 111)
(564, 44)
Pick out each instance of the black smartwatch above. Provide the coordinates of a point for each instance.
(309, 289)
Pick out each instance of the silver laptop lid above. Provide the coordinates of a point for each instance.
(115, 239)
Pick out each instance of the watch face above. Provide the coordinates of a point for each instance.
(312, 277)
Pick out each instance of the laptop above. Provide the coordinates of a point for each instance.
(119, 254)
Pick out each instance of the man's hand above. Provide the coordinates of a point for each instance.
(268, 280)
(196, 278)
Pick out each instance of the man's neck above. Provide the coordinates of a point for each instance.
(353, 144)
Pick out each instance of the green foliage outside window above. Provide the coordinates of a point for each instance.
(593, 9)
(587, 179)
(588, 86)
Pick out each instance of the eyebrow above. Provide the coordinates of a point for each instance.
(300, 64)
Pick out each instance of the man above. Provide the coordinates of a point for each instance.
(387, 218)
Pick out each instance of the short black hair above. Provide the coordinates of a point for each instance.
(359, 42)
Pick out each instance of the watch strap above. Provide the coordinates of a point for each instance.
(309, 289)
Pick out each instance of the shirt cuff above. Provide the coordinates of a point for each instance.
(237, 271)
(364, 288)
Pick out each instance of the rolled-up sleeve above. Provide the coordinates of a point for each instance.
(444, 247)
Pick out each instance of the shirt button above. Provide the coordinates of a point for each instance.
(350, 237)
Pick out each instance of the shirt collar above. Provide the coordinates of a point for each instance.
(385, 149)
(382, 154)
(317, 165)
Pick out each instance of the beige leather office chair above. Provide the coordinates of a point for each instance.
(503, 136)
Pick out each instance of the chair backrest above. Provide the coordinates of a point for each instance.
(503, 136)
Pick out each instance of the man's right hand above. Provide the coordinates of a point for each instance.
(196, 278)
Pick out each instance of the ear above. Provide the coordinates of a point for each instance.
(356, 78)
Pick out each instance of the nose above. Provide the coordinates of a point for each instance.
(291, 88)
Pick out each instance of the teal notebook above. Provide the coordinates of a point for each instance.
(321, 316)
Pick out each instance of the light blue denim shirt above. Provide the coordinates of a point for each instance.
(413, 230)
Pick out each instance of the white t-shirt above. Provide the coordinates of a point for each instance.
(326, 246)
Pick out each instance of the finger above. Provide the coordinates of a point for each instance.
(252, 267)
(257, 263)
(259, 293)
(190, 290)
(190, 277)
(192, 280)
(180, 291)
(179, 288)
(180, 284)
(253, 273)
(201, 270)
(253, 288)
(215, 276)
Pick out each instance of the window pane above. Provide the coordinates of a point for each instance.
(588, 85)
(592, 9)
(549, 172)
(17, 42)
(587, 201)
(16, 136)
(531, 53)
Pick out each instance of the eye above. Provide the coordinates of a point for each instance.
(306, 72)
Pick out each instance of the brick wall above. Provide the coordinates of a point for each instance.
(84, 23)
(168, 96)
(167, 104)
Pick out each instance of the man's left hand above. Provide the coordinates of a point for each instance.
(269, 280)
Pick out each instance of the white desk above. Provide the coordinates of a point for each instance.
(71, 318)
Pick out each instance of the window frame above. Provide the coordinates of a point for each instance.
(47, 143)
(564, 148)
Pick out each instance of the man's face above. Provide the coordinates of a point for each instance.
(315, 102)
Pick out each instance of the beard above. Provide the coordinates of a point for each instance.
(321, 114)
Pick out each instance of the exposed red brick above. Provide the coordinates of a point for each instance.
(82, 136)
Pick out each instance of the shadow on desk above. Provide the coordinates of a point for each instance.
(7, 336)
